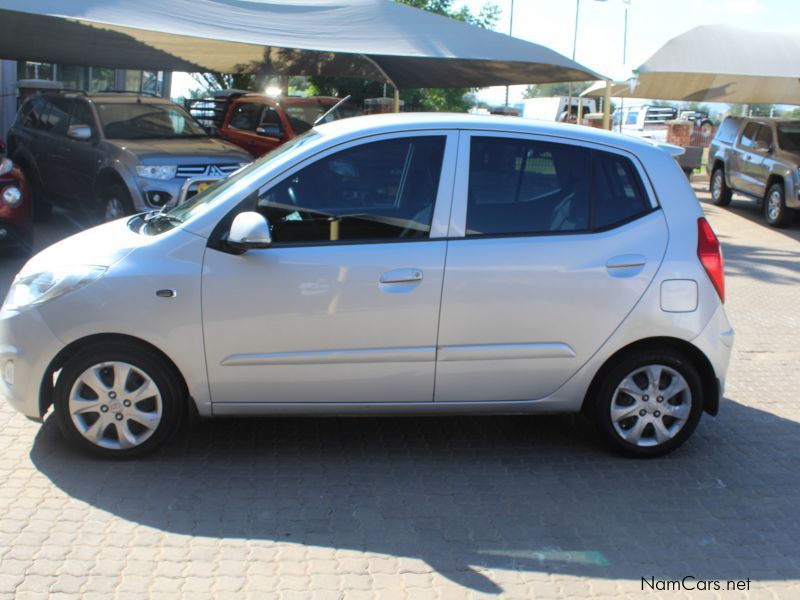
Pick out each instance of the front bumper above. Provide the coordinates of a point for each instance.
(27, 346)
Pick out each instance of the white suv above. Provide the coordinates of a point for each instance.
(425, 264)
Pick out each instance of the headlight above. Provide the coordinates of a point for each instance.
(12, 196)
(163, 172)
(5, 166)
(38, 288)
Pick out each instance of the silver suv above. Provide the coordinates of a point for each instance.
(760, 158)
(114, 154)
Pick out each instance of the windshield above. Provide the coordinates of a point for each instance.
(141, 121)
(789, 137)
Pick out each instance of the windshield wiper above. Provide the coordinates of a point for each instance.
(160, 215)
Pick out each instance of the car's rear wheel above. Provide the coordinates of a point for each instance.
(115, 203)
(118, 401)
(648, 404)
(720, 192)
(776, 213)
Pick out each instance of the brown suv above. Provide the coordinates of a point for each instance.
(760, 158)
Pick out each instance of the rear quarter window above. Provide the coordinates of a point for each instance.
(618, 194)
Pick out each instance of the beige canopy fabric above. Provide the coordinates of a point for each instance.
(619, 89)
(374, 39)
(716, 63)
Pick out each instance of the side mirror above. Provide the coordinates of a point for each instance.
(249, 231)
(270, 130)
(80, 132)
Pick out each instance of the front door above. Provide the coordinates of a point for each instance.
(344, 306)
(559, 243)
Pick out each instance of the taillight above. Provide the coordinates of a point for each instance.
(710, 254)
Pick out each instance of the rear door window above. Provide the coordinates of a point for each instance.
(618, 195)
(30, 115)
(523, 187)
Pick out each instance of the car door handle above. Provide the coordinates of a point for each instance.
(402, 276)
(626, 261)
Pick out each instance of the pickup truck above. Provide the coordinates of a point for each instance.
(259, 123)
(758, 158)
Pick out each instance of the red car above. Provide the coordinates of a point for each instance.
(260, 123)
(16, 218)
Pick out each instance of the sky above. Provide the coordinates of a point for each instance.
(651, 23)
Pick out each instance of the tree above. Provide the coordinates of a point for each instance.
(439, 99)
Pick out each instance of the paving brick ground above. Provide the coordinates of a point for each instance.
(433, 508)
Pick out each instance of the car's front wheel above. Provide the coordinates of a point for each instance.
(648, 404)
(118, 401)
(776, 212)
(115, 203)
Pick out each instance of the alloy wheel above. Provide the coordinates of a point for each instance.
(651, 405)
(114, 209)
(774, 206)
(115, 405)
(716, 187)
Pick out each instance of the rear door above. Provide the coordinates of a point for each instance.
(551, 246)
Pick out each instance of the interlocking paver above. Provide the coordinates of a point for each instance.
(509, 507)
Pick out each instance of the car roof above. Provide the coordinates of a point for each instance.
(112, 97)
(390, 122)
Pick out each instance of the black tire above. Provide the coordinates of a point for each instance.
(42, 209)
(601, 404)
(115, 203)
(776, 213)
(144, 361)
(721, 194)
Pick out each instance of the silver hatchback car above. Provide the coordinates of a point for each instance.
(396, 264)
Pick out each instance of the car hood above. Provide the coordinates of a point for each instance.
(104, 246)
(184, 152)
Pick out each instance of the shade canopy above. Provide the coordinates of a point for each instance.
(619, 89)
(716, 63)
(372, 39)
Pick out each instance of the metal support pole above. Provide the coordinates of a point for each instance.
(511, 34)
(607, 106)
(396, 100)
(580, 110)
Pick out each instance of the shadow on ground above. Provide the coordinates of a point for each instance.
(464, 494)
